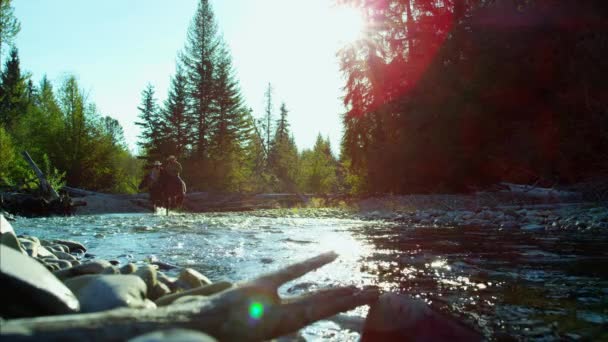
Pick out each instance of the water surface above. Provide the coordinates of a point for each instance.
(540, 285)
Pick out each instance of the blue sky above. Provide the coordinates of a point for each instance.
(115, 47)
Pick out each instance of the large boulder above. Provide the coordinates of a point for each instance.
(105, 292)
(30, 289)
(8, 237)
(401, 318)
(5, 227)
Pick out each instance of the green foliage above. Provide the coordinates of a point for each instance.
(70, 142)
(200, 59)
(7, 151)
(175, 122)
(13, 96)
(55, 177)
(151, 124)
(283, 156)
(318, 168)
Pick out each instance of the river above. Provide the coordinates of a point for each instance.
(527, 285)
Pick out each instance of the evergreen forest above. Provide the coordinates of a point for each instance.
(440, 96)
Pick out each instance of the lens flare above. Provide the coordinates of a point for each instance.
(256, 310)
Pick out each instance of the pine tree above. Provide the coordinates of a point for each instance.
(256, 177)
(200, 59)
(283, 155)
(152, 125)
(51, 116)
(266, 122)
(319, 168)
(73, 108)
(282, 124)
(13, 94)
(9, 25)
(230, 128)
(177, 124)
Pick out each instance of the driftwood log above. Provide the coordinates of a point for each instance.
(47, 190)
(226, 316)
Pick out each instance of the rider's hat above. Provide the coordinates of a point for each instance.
(157, 163)
(171, 157)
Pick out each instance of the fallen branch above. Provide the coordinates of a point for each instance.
(252, 311)
(48, 192)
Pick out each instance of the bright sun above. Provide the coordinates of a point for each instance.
(348, 24)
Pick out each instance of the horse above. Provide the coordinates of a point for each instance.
(168, 191)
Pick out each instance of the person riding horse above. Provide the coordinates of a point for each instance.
(174, 186)
(165, 186)
(151, 179)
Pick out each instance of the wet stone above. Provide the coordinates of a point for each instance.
(61, 264)
(105, 292)
(5, 227)
(193, 278)
(174, 335)
(30, 289)
(90, 267)
(11, 241)
(169, 281)
(397, 318)
(128, 269)
(60, 248)
(111, 270)
(159, 290)
(148, 274)
(65, 256)
(72, 245)
(43, 252)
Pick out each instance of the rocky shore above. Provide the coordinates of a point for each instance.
(540, 217)
(55, 290)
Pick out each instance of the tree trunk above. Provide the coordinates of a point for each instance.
(48, 192)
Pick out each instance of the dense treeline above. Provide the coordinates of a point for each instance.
(450, 95)
(205, 123)
(63, 131)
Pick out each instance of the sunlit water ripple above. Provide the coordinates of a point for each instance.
(525, 285)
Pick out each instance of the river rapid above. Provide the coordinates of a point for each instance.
(526, 285)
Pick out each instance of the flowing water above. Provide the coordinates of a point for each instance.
(540, 285)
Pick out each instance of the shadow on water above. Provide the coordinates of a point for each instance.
(525, 285)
